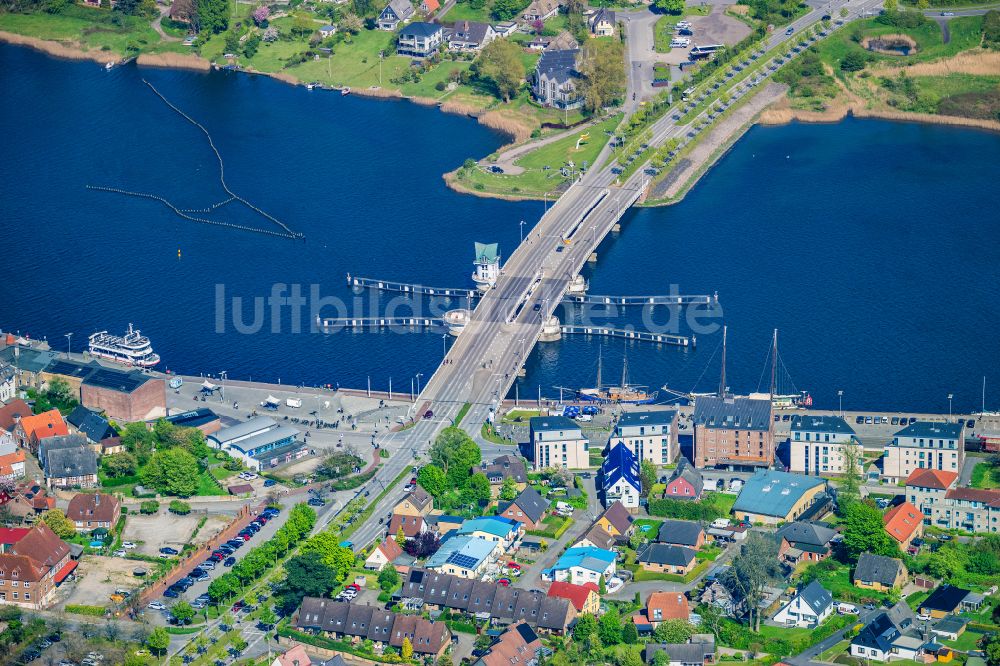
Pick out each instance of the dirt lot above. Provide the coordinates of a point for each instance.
(98, 577)
(716, 28)
(163, 529)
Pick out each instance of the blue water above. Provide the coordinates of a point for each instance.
(871, 246)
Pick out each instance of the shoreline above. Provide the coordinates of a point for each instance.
(58, 49)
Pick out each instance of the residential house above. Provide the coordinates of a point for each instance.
(417, 503)
(90, 424)
(27, 500)
(602, 23)
(540, 10)
(396, 12)
(822, 445)
(505, 29)
(581, 565)
(804, 541)
(88, 511)
(888, 636)
(12, 464)
(410, 525)
(260, 443)
(946, 600)
(716, 594)
(384, 553)
(73, 467)
(773, 497)
(681, 533)
(493, 528)
(8, 377)
(616, 521)
(904, 523)
(585, 598)
(518, 645)
(662, 606)
(327, 31)
(32, 566)
(294, 656)
(30, 430)
(11, 413)
(661, 558)
(111, 446)
(944, 505)
(924, 444)
(685, 482)
(528, 507)
(878, 572)
(733, 432)
(125, 396)
(506, 467)
(950, 627)
(340, 619)
(597, 537)
(486, 600)
(470, 36)
(808, 607)
(443, 524)
(464, 556)
(203, 419)
(28, 362)
(428, 7)
(620, 478)
(699, 652)
(419, 39)
(649, 435)
(558, 442)
(555, 85)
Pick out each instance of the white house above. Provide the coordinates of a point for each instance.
(808, 607)
(818, 444)
(7, 375)
(581, 565)
(651, 436)
(396, 12)
(620, 478)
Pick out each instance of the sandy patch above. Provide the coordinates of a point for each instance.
(174, 60)
(58, 49)
(98, 577)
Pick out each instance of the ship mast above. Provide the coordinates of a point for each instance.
(599, 355)
(624, 370)
(722, 377)
(774, 364)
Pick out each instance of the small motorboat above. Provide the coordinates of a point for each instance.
(345, 90)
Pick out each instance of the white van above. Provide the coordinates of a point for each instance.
(293, 402)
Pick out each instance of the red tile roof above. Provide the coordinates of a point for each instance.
(8, 412)
(991, 497)
(432, 5)
(42, 545)
(46, 424)
(412, 525)
(577, 594)
(92, 507)
(8, 461)
(390, 548)
(11, 535)
(672, 606)
(931, 478)
(27, 569)
(65, 571)
(902, 521)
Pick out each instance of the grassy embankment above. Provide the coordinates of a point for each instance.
(542, 166)
(956, 78)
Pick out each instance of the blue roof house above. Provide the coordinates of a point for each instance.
(584, 564)
(772, 497)
(620, 478)
(493, 528)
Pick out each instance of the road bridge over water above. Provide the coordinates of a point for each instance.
(506, 323)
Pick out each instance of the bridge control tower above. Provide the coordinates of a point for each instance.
(487, 265)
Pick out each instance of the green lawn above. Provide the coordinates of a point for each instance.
(90, 28)
(641, 574)
(838, 582)
(985, 474)
(967, 641)
(464, 11)
(537, 179)
(654, 527)
(555, 526)
(835, 651)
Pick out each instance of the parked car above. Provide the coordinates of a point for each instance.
(156, 605)
(230, 561)
(167, 550)
(269, 482)
(315, 501)
(128, 545)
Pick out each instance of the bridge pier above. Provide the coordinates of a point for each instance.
(592, 258)
(551, 330)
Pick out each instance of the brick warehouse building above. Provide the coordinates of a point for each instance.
(125, 396)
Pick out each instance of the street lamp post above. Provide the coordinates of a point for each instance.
(444, 345)
(222, 376)
(840, 400)
(950, 396)
(522, 231)
(419, 375)
(69, 340)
